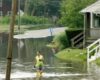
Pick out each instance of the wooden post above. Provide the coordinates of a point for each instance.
(10, 41)
(88, 60)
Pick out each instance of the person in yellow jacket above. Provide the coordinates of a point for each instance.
(39, 63)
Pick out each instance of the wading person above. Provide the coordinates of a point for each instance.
(39, 63)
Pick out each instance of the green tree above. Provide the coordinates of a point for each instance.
(70, 12)
(42, 7)
(53, 7)
(37, 7)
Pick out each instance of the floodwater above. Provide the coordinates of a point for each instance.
(65, 71)
(54, 69)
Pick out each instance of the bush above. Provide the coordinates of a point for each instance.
(5, 20)
(61, 41)
(26, 19)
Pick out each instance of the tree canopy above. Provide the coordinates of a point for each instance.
(42, 7)
(70, 12)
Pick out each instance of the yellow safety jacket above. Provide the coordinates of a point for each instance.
(39, 61)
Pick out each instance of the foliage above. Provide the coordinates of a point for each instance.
(43, 7)
(35, 6)
(61, 41)
(70, 12)
(53, 7)
(5, 20)
(26, 19)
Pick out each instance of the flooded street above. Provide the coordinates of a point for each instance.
(54, 69)
(32, 32)
(26, 71)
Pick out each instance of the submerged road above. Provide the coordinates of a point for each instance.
(40, 33)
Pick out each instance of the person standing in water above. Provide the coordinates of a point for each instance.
(39, 63)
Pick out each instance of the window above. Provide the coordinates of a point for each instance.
(0, 3)
(97, 21)
(1, 13)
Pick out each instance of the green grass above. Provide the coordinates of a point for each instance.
(72, 55)
(5, 27)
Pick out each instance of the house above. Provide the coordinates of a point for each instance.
(91, 25)
(92, 30)
(92, 20)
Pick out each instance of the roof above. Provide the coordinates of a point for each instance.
(40, 33)
(93, 8)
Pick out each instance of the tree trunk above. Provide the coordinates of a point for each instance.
(26, 7)
(33, 11)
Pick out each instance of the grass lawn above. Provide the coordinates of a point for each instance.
(72, 54)
(4, 28)
(23, 28)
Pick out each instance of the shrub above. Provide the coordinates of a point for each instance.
(61, 41)
(26, 19)
(5, 20)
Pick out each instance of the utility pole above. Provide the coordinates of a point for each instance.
(10, 41)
